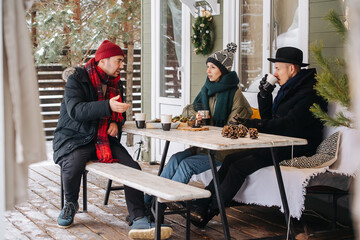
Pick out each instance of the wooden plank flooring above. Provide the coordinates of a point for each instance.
(36, 219)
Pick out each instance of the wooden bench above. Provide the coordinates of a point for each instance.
(163, 190)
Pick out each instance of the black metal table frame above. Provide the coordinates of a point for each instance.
(219, 197)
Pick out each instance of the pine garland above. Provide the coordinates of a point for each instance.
(332, 82)
(201, 38)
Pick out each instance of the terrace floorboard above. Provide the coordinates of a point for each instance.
(36, 218)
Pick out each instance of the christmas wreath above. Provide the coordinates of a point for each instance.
(201, 38)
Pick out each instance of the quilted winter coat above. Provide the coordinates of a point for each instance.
(80, 113)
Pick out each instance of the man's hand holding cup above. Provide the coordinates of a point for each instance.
(267, 85)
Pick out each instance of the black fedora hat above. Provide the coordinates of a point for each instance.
(289, 55)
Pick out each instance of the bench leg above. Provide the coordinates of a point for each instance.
(109, 188)
(188, 208)
(85, 191)
(62, 189)
(334, 213)
(107, 194)
(157, 220)
(280, 182)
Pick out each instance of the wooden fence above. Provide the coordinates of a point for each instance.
(51, 89)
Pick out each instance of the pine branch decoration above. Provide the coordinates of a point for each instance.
(339, 120)
(337, 23)
(332, 82)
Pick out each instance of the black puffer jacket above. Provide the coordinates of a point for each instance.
(80, 113)
(292, 116)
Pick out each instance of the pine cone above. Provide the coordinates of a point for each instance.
(242, 131)
(253, 132)
(225, 131)
(230, 131)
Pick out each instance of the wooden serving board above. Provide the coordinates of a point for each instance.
(193, 129)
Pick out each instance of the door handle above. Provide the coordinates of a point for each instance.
(179, 70)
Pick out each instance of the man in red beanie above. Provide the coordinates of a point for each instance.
(89, 127)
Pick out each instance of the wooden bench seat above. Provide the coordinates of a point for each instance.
(163, 190)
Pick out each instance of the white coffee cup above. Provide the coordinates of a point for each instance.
(166, 121)
(165, 118)
(140, 116)
(140, 120)
(204, 114)
(271, 79)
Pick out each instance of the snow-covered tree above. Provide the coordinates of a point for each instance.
(65, 30)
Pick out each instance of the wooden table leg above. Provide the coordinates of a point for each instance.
(280, 182)
(219, 194)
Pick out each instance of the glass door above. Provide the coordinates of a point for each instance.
(251, 42)
(171, 66)
(170, 51)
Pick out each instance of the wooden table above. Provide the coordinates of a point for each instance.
(213, 141)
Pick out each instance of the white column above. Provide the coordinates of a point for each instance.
(304, 22)
(155, 63)
(2, 130)
(353, 56)
(231, 27)
(267, 31)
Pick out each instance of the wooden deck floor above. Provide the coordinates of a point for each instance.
(36, 219)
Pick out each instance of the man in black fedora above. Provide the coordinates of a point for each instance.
(287, 115)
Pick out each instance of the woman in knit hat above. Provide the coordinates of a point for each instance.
(223, 98)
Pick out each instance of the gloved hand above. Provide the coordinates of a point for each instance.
(263, 81)
(236, 119)
(265, 87)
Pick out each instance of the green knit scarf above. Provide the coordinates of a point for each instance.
(226, 89)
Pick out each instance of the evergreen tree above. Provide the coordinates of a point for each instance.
(333, 83)
(67, 29)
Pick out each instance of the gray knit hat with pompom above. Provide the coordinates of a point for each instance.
(223, 59)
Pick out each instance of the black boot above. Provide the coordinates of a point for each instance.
(201, 215)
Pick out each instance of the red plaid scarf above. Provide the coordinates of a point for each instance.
(97, 77)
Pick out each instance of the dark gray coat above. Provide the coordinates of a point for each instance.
(80, 113)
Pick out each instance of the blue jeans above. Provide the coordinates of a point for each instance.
(182, 165)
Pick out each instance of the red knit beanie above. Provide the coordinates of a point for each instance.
(108, 49)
